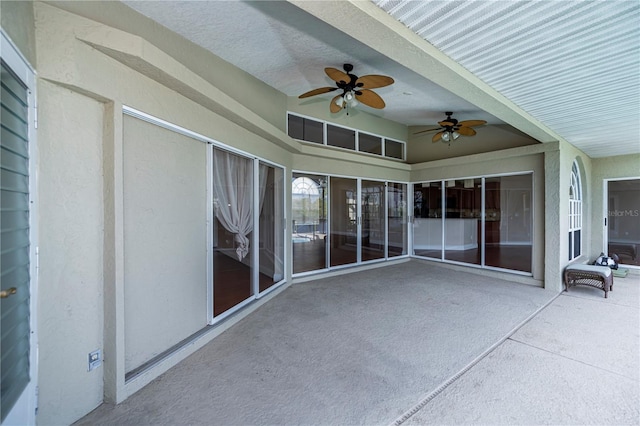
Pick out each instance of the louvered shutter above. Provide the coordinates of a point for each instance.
(14, 245)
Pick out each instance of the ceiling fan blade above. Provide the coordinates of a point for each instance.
(428, 130)
(317, 92)
(370, 98)
(337, 75)
(436, 137)
(333, 106)
(446, 123)
(466, 131)
(373, 81)
(471, 123)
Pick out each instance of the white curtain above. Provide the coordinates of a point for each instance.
(233, 192)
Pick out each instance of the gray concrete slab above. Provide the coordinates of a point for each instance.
(575, 362)
(369, 348)
(518, 384)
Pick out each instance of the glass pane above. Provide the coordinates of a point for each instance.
(344, 229)
(427, 225)
(624, 220)
(309, 215)
(369, 143)
(313, 131)
(394, 149)
(305, 129)
(232, 233)
(271, 239)
(397, 218)
(340, 137)
(463, 203)
(373, 220)
(508, 222)
(295, 126)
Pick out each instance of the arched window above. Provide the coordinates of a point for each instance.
(575, 213)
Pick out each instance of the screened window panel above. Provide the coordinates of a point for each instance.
(305, 129)
(394, 149)
(369, 143)
(341, 137)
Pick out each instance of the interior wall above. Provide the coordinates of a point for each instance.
(70, 295)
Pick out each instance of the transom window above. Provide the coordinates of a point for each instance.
(320, 132)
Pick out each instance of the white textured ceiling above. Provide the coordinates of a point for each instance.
(573, 66)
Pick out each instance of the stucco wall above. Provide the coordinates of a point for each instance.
(82, 276)
(70, 310)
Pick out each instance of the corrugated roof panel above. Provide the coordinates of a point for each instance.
(573, 65)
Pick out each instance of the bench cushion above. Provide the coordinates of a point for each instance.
(605, 271)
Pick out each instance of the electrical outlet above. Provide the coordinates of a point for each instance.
(95, 359)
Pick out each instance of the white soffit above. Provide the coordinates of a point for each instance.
(573, 65)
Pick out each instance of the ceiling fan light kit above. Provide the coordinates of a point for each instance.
(355, 90)
(450, 129)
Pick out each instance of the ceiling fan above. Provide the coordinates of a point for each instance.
(451, 129)
(354, 89)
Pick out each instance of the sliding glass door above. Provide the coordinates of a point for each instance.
(343, 233)
(398, 239)
(271, 226)
(248, 229)
(463, 205)
(232, 230)
(428, 219)
(623, 226)
(359, 229)
(485, 221)
(309, 221)
(508, 222)
(373, 232)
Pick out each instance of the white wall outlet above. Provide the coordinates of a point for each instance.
(95, 359)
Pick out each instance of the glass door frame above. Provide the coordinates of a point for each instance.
(359, 261)
(605, 215)
(482, 234)
(255, 233)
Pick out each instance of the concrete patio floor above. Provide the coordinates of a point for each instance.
(463, 349)
(576, 362)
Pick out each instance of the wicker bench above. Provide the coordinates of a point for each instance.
(595, 276)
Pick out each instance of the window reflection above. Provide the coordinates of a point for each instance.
(506, 239)
(427, 224)
(309, 215)
(508, 222)
(624, 220)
